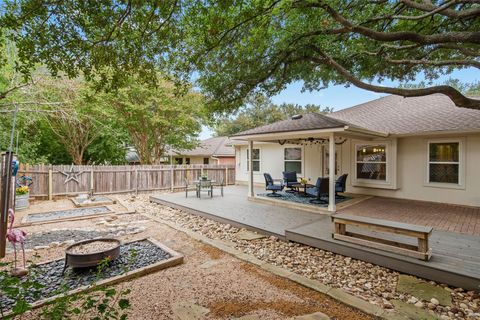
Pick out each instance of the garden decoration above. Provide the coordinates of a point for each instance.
(24, 180)
(71, 175)
(15, 236)
(22, 196)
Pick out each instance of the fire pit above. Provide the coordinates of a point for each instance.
(89, 253)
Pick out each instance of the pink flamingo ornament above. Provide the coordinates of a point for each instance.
(15, 236)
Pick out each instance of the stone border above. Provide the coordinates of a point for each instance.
(110, 212)
(335, 293)
(175, 259)
(93, 204)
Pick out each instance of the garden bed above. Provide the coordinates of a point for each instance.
(64, 214)
(137, 258)
(95, 201)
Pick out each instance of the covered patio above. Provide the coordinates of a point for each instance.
(455, 259)
(316, 137)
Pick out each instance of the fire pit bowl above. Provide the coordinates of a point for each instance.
(89, 253)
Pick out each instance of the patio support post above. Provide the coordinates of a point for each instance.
(251, 192)
(331, 173)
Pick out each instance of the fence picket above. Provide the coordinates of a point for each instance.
(50, 180)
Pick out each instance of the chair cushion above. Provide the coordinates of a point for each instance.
(274, 187)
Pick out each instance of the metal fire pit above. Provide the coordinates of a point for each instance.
(85, 260)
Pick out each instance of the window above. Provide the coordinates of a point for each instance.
(187, 160)
(444, 162)
(255, 158)
(371, 162)
(178, 160)
(206, 160)
(293, 160)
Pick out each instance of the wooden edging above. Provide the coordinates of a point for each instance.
(335, 293)
(175, 259)
(110, 212)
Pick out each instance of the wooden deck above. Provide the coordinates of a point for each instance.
(455, 259)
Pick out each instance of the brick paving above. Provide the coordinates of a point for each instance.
(446, 217)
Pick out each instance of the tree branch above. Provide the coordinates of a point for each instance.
(429, 7)
(457, 97)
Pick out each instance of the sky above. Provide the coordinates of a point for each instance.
(340, 97)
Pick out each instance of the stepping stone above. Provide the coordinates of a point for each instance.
(209, 264)
(185, 310)
(414, 313)
(249, 235)
(423, 290)
(313, 316)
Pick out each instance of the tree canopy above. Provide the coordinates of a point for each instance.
(258, 111)
(235, 47)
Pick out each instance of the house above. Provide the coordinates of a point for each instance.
(421, 148)
(217, 150)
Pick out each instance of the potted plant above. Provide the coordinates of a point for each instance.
(21, 198)
(204, 177)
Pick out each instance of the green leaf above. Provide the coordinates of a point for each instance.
(124, 304)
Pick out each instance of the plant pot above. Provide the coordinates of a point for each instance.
(22, 201)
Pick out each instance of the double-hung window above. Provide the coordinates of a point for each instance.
(255, 160)
(293, 160)
(371, 162)
(444, 162)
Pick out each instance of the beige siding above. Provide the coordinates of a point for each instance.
(411, 169)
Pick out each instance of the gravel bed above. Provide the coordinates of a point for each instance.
(96, 199)
(46, 238)
(63, 214)
(365, 280)
(133, 256)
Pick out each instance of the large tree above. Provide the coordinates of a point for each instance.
(237, 47)
(157, 118)
(260, 110)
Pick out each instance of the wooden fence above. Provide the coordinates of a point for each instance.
(63, 180)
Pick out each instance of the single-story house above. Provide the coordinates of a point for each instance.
(422, 148)
(217, 150)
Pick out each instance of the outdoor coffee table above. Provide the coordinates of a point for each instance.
(304, 186)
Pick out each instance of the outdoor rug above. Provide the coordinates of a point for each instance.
(295, 197)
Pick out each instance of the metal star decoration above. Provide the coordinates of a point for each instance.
(71, 175)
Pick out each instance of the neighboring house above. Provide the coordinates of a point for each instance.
(422, 148)
(216, 150)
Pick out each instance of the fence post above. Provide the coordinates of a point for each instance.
(92, 184)
(172, 178)
(50, 183)
(136, 181)
(226, 176)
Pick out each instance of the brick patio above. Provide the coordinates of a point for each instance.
(440, 216)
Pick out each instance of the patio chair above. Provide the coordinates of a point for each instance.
(219, 185)
(271, 186)
(205, 185)
(340, 185)
(290, 180)
(320, 190)
(190, 187)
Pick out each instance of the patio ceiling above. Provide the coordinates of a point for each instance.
(299, 136)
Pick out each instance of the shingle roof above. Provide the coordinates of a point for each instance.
(309, 121)
(216, 146)
(397, 115)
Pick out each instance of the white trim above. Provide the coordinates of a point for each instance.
(390, 181)
(461, 164)
(259, 160)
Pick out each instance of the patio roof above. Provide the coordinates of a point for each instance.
(310, 124)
